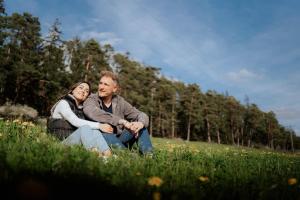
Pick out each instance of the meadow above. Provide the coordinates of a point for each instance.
(34, 164)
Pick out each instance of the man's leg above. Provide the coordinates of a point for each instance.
(127, 138)
(113, 141)
(144, 142)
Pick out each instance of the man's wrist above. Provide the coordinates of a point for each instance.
(143, 125)
(123, 122)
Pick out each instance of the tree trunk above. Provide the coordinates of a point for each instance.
(189, 128)
(269, 129)
(189, 120)
(208, 130)
(159, 117)
(173, 119)
(151, 114)
(163, 128)
(272, 141)
(249, 138)
(232, 131)
(292, 143)
(238, 137)
(218, 135)
(151, 126)
(242, 135)
(87, 67)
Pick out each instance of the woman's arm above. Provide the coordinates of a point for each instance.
(64, 110)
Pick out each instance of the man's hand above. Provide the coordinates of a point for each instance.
(133, 127)
(136, 127)
(106, 128)
(126, 124)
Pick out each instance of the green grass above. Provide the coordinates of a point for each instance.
(34, 163)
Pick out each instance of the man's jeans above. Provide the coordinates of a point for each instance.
(127, 139)
(88, 137)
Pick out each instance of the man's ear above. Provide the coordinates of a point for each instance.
(115, 89)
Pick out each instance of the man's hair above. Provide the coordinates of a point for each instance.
(110, 74)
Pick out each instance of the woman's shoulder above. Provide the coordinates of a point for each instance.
(62, 103)
(59, 106)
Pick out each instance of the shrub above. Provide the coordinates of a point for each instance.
(24, 112)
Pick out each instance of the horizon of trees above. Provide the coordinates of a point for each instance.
(35, 71)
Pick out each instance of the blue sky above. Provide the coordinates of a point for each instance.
(244, 47)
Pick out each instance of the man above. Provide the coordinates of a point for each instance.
(129, 123)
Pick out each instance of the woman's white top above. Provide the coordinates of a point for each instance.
(62, 110)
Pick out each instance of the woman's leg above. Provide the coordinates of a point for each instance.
(74, 138)
(89, 138)
(94, 139)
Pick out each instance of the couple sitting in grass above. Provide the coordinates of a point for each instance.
(99, 121)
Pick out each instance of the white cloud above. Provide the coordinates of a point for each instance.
(289, 116)
(203, 54)
(102, 37)
(243, 75)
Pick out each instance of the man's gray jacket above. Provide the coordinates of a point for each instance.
(121, 109)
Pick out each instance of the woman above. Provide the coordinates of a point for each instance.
(67, 121)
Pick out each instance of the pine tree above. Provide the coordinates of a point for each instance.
(22, 57)
(191, 109)
(4, 66)
(54, 76)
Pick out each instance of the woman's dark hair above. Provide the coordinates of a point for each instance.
(72, 87)
(78, 83)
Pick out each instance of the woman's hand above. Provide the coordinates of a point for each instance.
(106, 128)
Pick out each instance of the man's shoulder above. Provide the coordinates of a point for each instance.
(93, 96)
(119, 99)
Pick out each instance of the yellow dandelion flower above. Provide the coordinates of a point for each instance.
(16, 121)
(94, 149)
(138, 173)
(43, 134)
(292, 181)
(203, 178)
(155, 181)
(1, 134)
(25, 123)
(156, 196)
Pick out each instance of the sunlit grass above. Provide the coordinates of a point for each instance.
(179, 169)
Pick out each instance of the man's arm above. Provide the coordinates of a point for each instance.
(133, 114)
(92, 110)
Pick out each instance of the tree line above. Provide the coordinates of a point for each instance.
(36, 70)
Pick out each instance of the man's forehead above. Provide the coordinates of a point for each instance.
(107, 79)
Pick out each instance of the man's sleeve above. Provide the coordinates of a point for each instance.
(133, 114)
(92, 111)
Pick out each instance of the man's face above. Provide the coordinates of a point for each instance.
(107, 87)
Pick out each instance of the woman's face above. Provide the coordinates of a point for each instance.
(81, 92)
